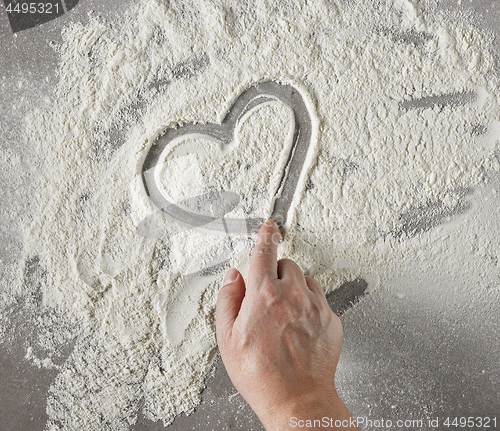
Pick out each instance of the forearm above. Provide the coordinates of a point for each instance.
(311, 415)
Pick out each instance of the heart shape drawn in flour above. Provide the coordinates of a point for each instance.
(225, 201)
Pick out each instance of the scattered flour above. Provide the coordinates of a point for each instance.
(142, 305)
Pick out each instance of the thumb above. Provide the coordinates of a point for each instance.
(229, 303)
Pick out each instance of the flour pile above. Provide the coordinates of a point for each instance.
(391, 163)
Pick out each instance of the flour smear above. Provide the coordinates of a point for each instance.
(387, 173)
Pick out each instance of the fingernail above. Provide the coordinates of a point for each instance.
(311, 271)
(272, 223)
(230, 276)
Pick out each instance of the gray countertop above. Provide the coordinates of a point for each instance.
(405, 356)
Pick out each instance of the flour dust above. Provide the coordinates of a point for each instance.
(393, 162)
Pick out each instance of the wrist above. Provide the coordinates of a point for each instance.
(310, 413)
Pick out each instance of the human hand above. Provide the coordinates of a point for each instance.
(279, 340)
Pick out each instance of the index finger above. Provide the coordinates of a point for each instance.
(264, 263)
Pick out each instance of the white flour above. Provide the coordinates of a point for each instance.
(145, 317)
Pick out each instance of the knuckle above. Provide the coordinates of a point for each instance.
(314, 308)
(266, 251)
(300, 301)
(267, 290)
